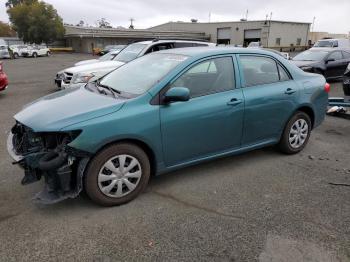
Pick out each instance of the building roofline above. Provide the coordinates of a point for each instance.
(229, 22)
(83, 32)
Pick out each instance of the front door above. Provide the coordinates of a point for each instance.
(336, 67)
(211, 121)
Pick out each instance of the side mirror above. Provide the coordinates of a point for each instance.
(329, 60)
(177, 94)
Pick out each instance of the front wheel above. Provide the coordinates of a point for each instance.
(117, 174)
(35, 55)
(48, 53)
(15, 56)
(296, 133)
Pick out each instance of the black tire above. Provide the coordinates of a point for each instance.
(15, 56)
(48, 53)
(35, 55)
(91, 184)
(284, 144)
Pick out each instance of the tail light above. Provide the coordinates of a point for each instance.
(327, 87)
(1, 67)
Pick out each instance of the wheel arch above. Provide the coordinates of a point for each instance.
(309, 111)
(143, 145)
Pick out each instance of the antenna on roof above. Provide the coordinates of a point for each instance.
(131, 25)
(246, 15)
(209, 16)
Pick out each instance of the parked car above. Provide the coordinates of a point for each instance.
(35, 51)
(4, 52)
(283, 54)
(18, 50)
(258, 45)
(255, 45)
(346, 82)
(3, 78)
(329, 62)
(107, 57)
(333, 43)
(109, 48)
(80, 75)
(162, 112)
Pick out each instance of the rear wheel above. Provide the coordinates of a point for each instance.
(35, 55)
(117, 174)
(48, 53)
(296, 133)
(15, 55)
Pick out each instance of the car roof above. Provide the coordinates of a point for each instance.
(328, 49)
(149, 42)
(207, 51)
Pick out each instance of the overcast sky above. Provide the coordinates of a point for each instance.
(333, 18)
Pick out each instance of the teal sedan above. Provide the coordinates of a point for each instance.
(162, 112)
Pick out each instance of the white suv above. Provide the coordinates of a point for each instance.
(18, 50)
(80, 75)
(35, 51)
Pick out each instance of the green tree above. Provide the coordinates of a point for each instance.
(6, 30)
(36, 22)
(12, 3)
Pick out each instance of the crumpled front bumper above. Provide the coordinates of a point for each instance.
(11, 149)
(61, 183)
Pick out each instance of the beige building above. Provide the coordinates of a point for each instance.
(85, 39)
(280, 35)
(315, 36)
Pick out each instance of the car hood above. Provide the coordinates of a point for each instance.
(304, 63)
(86, 62)
(61, 109)
(94, 67)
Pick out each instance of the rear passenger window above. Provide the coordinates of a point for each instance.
(208, 77)
(346, 55)
(259, 70)
(283, 74)
(183, 44)
(335, 55)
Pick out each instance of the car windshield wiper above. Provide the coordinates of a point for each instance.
(113, 91)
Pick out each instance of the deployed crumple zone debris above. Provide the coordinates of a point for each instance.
(336, 109)
(48, 155)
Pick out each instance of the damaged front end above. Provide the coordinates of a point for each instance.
(48, 155)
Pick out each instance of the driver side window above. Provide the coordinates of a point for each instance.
(208, 77)
(336, 56)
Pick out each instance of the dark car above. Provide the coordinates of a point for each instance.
(109, 48)
(328, 62)
(346, 82)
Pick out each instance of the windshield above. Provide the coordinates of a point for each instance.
(107, 57)
(311, 56)
(324, 43)
(141, 74)
(129, 53)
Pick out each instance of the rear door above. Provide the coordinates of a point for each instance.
(271, 96)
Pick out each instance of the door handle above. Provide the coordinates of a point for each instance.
(234, 102)
(289, 91)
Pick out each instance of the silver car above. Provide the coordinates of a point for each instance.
(4, 52)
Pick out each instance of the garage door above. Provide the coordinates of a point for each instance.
(252, 33)
(224, 33)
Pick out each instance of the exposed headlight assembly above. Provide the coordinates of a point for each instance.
(82, 78)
